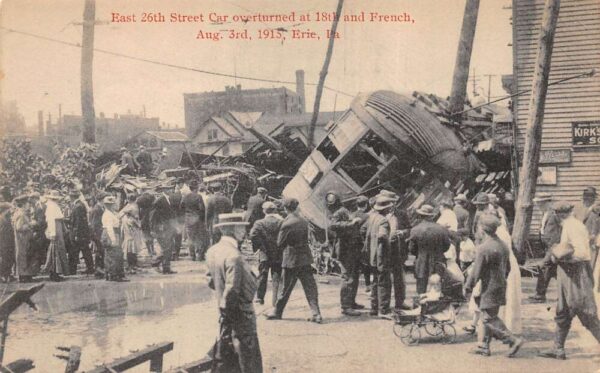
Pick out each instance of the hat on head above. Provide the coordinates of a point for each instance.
(215, 185)
(21, 198)
(123, 149)
(383, 202)
(231, 219)
(269, 206)
(331, 198)
(193, 183)
(542, 198)
(261, 190)
(54, 194)
(461, 197)
(589, 191)
(563, 207)
(426, 210)
(109, 200)
(481, 199)
(361, 200)
(489, 222)
(291, 204)
(389, 194)
(142, 147)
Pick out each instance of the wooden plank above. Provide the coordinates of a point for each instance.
(202, 365)
(135, 359)
(18, 366)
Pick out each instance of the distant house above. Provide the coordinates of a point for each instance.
(111, 133)
(200, 107)
(167, 146)
(231, 133)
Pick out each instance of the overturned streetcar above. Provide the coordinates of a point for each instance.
(386, 140)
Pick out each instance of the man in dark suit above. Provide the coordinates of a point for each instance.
(491, 266)
(550, 231)
(254, 210)
(342, 231)
(429, 241)
(163, 219)
(194, 224)
(296, 262)
(377, 246)
(217, 204)
(264, 240)
(79, 235)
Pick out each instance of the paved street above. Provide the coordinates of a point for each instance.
(107, 319)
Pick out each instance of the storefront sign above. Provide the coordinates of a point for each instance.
(546, 175)
(586, 133)
(553, 156)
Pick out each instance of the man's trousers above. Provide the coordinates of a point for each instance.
(493, 326)
(80, 247)
(381, 291)
(349, 270)
(289, 277)
(263, 268)
(399, 285)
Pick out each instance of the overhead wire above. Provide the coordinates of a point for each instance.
(171, 65)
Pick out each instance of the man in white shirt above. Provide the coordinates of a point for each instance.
(575, 282)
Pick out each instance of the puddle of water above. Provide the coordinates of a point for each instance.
(108, 320)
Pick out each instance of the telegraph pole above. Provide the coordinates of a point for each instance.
(463, 58)
(87, 87)
(322, 75)
(489, 90)
(533, 135)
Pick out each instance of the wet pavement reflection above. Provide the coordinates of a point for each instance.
(108, 320)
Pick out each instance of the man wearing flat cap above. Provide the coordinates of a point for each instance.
(588, 212)
(296, 262)
(235, 285)
(264, 240)
(342, 230)
(549, 233)
(491, 267)
(428, 241)
(482, 203)
(254, 210)
(574, 280)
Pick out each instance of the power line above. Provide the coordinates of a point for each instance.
(166, 64)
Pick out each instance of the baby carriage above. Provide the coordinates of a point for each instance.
(437, 318)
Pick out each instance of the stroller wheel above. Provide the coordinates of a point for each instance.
(434, 329)
(448, 334)
(410, 334)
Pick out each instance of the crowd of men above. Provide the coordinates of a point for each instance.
(50, 233)
(375, 236)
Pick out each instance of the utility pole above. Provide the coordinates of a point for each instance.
(533, 136)
(489, 90)
(322, 75)
(463, 58)
(87, 87)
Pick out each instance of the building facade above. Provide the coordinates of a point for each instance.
(570, 151)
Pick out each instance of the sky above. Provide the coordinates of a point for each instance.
(399, 56)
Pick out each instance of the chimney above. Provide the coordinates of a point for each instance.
(300, 89)
(40, 123)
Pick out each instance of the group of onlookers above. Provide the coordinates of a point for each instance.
(50, 233)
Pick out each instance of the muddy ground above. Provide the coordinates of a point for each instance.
(110, 319)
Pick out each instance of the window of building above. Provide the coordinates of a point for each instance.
(225, 150)
(213, 134)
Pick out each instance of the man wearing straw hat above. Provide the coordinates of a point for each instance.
(429, 241)
(235, 285)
